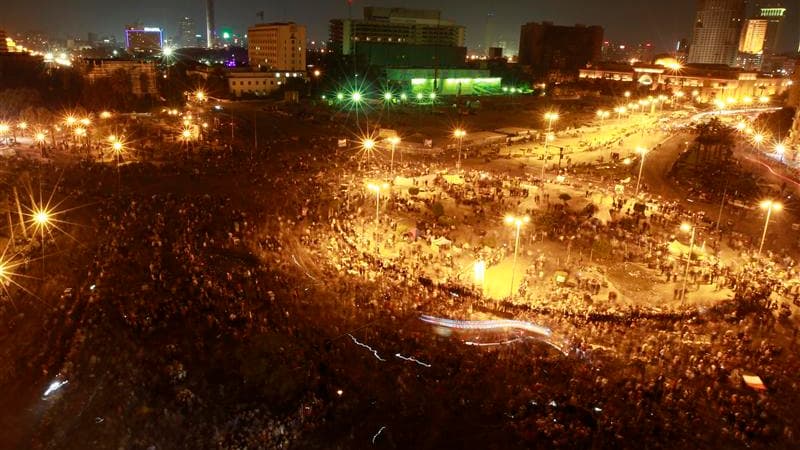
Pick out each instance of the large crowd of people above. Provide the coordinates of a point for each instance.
(232, 300)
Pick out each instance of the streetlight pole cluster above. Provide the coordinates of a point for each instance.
(517, 222)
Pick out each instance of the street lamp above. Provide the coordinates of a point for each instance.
(758, 138)
(377, 188)
(459, 134)
(687, 228)
(780, 149)
(394, 140)
(105, 115)
(550, 117)
(200, 96)
(642, 152)
(769, 205)
(517, 222)
(480, 273)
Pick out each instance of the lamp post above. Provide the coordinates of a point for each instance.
(550, 117)
(769, 205)
(642, 152)
(780, 149)
(377, 188)
(687, 228)
(517, 222)
(459, 134)
(394, 140)
(480, 274)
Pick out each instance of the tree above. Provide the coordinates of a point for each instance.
(564, 197)
(714, 139)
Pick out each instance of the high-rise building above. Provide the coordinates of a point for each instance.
(277, 46)
(549, 48)
(773, 15)
(717, 28)
(489, 34)
(143, 39)
(754, 32)
(186, 33)
(211, 31)
(395, 26)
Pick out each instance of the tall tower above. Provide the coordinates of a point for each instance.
(211, 32)
(773, 14)
(717, 29)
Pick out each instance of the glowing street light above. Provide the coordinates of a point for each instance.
(80, 131)
(419, 96)
(387, 96)
(356, 97)
(317, 73)
(687, 228)
(70, 121)
(642, 152)
(39, 137)
(200, 96)
(517, 222)
(459, 134)
(22, 126)
(780, 149)
(432, 96)
(763, 99)
(758, 139)
(550, 117)
(4, 128)
(377, 188)
(747, 100)
(741, 126)
(368, 144)
(480, 273)
(86, 121)
(105, 115)
(627, 94)
(339, 96)
(769, 205)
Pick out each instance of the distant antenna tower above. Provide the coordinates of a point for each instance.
(260, 15)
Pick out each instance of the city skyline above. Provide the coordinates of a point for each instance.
(629, 21)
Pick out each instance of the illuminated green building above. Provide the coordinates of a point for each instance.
(445, 81)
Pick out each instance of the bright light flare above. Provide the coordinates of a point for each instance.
(518, 221)
(771, 204)
(368, 144)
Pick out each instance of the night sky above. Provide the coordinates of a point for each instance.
(659, 21)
